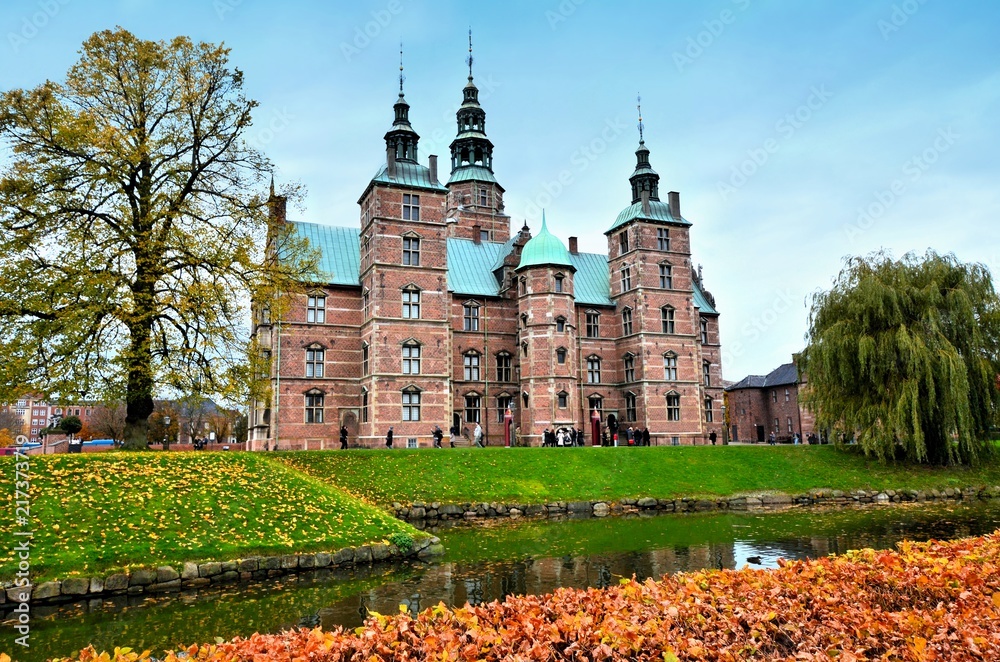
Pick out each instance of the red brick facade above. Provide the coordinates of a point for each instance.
(376, 360)
(761, 405)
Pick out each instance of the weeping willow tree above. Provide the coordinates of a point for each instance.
(134, 229)
(903, 356)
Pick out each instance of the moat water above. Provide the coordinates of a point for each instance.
(488, 562)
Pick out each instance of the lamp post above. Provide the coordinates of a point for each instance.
(166, 432)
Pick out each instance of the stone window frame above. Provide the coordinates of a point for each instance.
(669, 369)
(562, 399)
(668, 319)
(411, 247)
(709, 409)
(666, 270)
(558, 282)
(470, 315)
(593, 321)
(315, 401)
(407, 357)
(476, 411)
(411, 207)
(411, 397)
(560, 324)
(315, 360)
(703, 329)
(594, 369)
(504, 371)
(316, 307)
(366, 303)
(673, 399)
(628, 366)
(623, 243)
(706, 372)
(630, 407)
(627, 327)
(472, 365)
(409, 304)
(364, 404)
(365, 359)
(663, 239)
(561, 354)
(625, 279)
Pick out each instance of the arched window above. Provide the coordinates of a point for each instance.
(561, 355)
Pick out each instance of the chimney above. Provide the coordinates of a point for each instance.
(644, 196)
(433, 159)
(573, 249)
(390, 160)
(477, 233)
(675, 204)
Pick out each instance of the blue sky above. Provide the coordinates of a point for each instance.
(796, 133)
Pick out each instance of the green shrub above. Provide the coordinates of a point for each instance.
(402, 541)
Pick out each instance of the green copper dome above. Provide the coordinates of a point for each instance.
(545, 248)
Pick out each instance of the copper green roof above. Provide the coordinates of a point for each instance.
(701, 301)
(658, 211)
(409, 174)
(544, 248)
(340, 253)
(472, 173)
(591, 285)
(469, 266)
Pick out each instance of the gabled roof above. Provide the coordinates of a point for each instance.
(784, 375)
(658, 211)
(409, 174)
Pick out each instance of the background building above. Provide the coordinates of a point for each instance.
(431, 313)
(759, 405)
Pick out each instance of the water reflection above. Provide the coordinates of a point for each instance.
(489, 563)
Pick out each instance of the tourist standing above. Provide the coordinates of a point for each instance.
(630, 436)
(343, 437)
(770, 439)
(712, 437)
(438, 435)
(478, 435)
(452, 433)
(645, 436)
(388, 438)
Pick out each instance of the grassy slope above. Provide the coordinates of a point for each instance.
(95, 512)
(534, 475)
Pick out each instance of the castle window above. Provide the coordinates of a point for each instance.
(667, 319)
(561, 356)
(411, 358)
(623, 242)
(364, 405)
(411, 404)
(666, 277)
(411, 208)
(670, 366)
(596, 403)
(316, 310)
(524, 320)
(472, 405)
(630, 406)
(704, 331)
(471, 316)
(627, 322)
(314, 362)
(471, 364)
(593, 325)
(706, 372)
(663, 239)
(411, 251)
(524, 286)
(709, 414)
(524, 349)
(484, 235)
(594, 370)
(314, 407)
(563, 399)
(788, 396)
(789, 426)
(629, 368)
(411, 303)
(503, 367)
(483, 197)
(559, 283)
(365, 304)
(626, 278)
(560, 324)
(504, 402)
(774, 398)
(365, 367)
(673, 407)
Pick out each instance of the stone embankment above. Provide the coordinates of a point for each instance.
(195, 575)
(429, 512)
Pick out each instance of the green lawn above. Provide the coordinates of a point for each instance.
(539, 475)
(95, 512)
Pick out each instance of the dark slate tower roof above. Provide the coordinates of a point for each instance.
(471, 151)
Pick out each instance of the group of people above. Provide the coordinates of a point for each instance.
(562, 437)
(436, 434)
(614, 436)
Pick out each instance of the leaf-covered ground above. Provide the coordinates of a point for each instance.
(540, 475)
(93, 512)
(926, 601)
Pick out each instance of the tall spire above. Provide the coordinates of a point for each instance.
(644, 178)
(471, 148)
(401, 138)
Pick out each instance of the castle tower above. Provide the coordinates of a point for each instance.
(659, 359)
(404, 341)
(546, 337)
(475, 200)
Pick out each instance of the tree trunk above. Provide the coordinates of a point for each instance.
(139, 388)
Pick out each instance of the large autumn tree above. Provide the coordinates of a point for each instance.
(904, 356)
(133, 224)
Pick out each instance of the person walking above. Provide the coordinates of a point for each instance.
(438, 435)
(452, 433)
(478, 435)
(712, 437)
(630, 436)
(770, 439)
(645, 436)
(388, 438)
(517, 436)
(343, 437)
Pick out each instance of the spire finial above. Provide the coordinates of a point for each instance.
(469, 59)
(401, 77)
(272, 184)
(638, 106)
